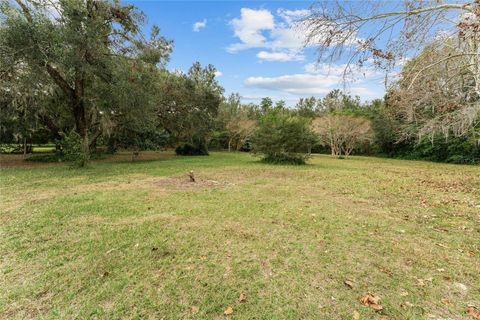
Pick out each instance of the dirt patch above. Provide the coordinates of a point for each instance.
(159, 184)
(143, 156)
(18, 161)
(183, 183)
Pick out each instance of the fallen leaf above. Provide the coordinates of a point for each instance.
(348, 283)
(243, 297)
(355, 315)
(371, 300)
(470, 253)
(445, 301)
(228, 311)
(472, 311)
(194, 309)
(376, 307)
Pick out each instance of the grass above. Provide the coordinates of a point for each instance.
(36, 148)
(137, 241)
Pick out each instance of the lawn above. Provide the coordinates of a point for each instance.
(137, 240)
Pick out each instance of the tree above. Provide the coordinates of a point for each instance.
(306, 107)
(283, 138)
(440, 100)
(342, 133)
(77, 51)
(240, 129)
(20, 105)
(338, 101)
(384, 34)
(187, 105)
(266, 105)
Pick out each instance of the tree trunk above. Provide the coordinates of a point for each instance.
(81, 124)
(24, 147)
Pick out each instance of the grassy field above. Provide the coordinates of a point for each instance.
(138, 241)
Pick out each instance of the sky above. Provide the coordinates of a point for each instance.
(255, 48)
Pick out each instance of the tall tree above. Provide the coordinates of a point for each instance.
(76, 49)
(387, 33)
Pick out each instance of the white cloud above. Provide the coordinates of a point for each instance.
(218, 73)
(298, 84)
(197, 26)
(347, 71)
(280, 56)
(258, 29)
(283, 32)
(320, 79)
(365, 92)
(287, 38)
(248, 28)
(291, 16)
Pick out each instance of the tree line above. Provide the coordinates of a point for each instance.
(82, 75)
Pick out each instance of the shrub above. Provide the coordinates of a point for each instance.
(71, 146)
(197, 148)
(283, 139)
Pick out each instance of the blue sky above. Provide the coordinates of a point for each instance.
(254, 46)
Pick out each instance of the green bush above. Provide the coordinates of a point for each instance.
(55, 157)
(197, 148)
(283, 139)
(461, 150)
(71, 146)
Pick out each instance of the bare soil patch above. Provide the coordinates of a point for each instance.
(18, 161)
(183, 183)
(143, 156)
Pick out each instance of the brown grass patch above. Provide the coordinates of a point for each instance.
(183, 183)
(18, 161)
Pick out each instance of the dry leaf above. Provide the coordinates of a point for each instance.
(355, 315)
(376, 307)
(470, 253)
(371, 300)
(243, 297)
(228, 311)
(472, 311)
(194, 309)
(348, 283)
(445, 301)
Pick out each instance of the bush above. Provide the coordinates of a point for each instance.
(71, 146)
(55, 157)
(199, 148)
(461, 150)
(283, 139)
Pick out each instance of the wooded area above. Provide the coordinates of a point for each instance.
(86, 77)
